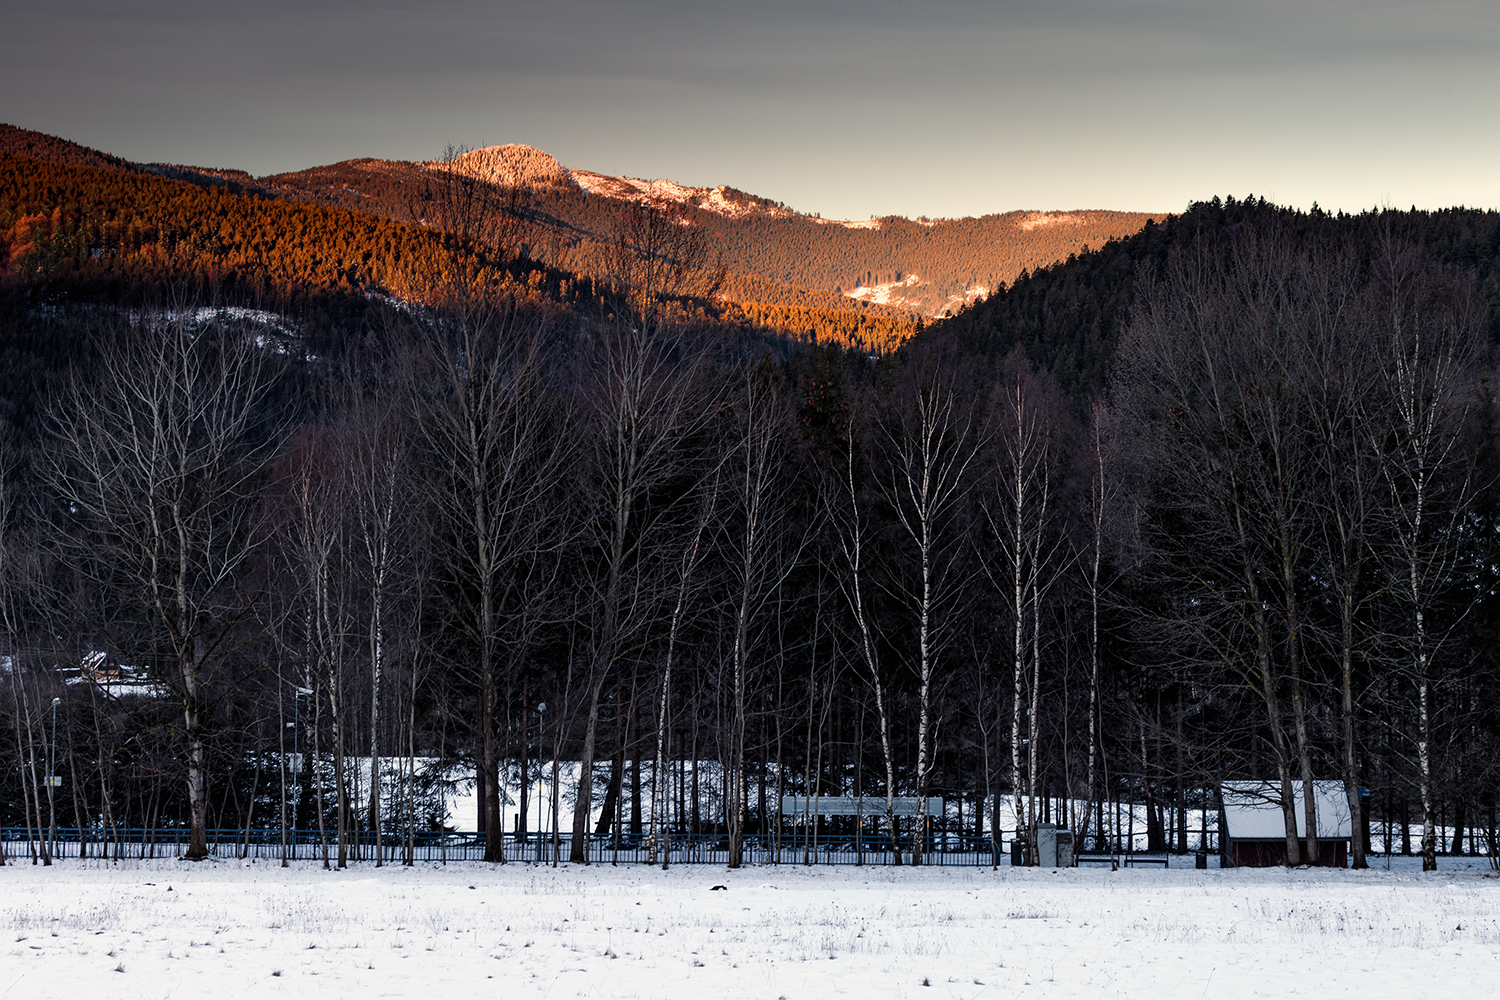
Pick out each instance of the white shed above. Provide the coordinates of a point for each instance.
(1252, 826)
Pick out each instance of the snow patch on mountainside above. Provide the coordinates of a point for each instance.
(1042, 220)
(722, 200)
(904, 294)
(888, 294)
(514, 164)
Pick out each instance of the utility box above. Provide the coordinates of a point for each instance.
(1046, 845)
(1065, 855)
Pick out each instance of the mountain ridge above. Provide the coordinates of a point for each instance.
(903, 270)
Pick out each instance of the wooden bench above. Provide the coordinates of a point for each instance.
(1137, 860)
(1126, 860)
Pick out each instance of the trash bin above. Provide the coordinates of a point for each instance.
(1017, 853)
(1065, 857)
(1201, 861)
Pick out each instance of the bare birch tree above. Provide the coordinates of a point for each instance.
(1345, 376)
(314, 545)
(844, 493)
(761, 548)
(930, 444)
(483, 384)
(377, 450)
(1021, 509)
(1432, 331)
(694, 550)
(158, 452)
(1101, 520)
(499, 432)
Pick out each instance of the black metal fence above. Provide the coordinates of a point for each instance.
(309, 845)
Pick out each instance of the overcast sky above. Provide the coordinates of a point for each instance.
(942, 108)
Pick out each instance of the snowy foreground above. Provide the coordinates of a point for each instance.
(237, 929)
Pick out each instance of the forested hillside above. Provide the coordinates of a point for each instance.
(771, 254)
(82, 233)
(75, 219)
(954, 258)
(1214, 502)
(1067, 317)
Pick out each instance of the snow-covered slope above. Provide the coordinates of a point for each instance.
(519, 164)
(721, 200)
(903, 295)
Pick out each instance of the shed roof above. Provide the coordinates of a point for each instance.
(1252, 810)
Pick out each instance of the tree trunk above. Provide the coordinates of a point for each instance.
(1357, 826)
(196, 777)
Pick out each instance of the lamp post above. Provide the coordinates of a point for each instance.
(298, 693)
(285, 773)
(541, 729)
(52, 780)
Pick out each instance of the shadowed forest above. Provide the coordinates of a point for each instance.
(1213, 502)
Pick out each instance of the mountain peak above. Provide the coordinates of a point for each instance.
(512, 165)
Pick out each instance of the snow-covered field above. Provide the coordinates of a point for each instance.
(173, 929)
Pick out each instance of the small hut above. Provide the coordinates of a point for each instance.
(1252, 825)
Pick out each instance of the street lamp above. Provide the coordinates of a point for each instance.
(541, 728)
(298, 693)
(52, 781)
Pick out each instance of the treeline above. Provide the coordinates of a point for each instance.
(1267, 551)
(742, 288)
(848, 328)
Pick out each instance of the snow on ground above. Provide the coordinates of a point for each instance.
(173, 929)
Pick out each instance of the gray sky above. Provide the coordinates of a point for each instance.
(943, 108)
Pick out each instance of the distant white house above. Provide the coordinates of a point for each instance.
(1253, 825)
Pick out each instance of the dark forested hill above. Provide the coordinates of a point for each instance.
(1067, 317)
